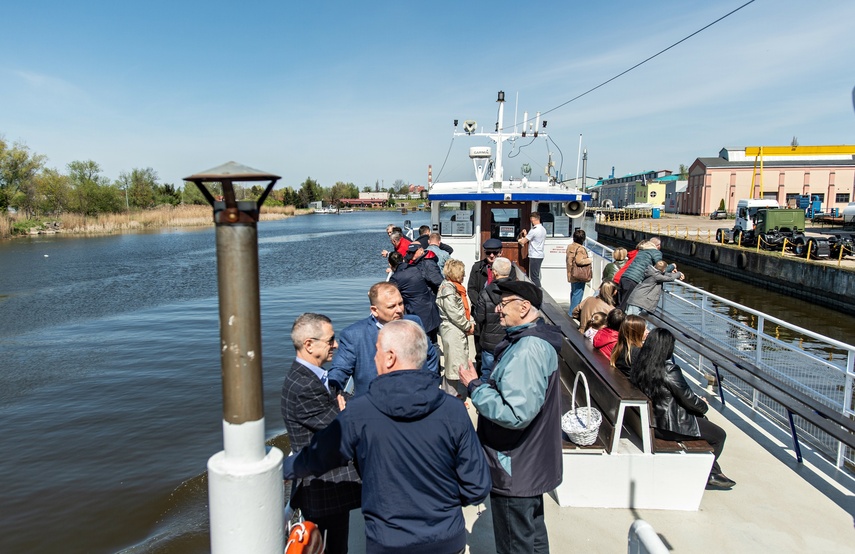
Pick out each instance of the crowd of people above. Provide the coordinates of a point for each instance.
(387, 427)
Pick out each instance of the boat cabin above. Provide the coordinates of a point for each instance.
(467, 213)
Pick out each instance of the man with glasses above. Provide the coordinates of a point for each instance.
(519, 419)
(355, 354)
(480, 275)
(309, 405)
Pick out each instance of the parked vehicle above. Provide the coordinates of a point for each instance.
(777, 228)
(719, 214)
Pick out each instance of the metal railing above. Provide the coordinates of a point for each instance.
(817, 366)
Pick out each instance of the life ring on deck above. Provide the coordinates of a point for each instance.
(741, 260)
(714, 255)
(693, 249)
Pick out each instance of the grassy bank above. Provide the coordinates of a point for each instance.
(166, 216)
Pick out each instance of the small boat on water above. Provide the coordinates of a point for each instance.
(345, 210)
(327, 210)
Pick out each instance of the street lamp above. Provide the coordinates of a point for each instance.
(245, 487)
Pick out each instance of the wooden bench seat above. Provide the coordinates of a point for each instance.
(627, 467)
(662, 446)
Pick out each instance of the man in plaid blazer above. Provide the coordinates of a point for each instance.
(307, 407)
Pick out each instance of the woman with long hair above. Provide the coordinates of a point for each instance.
(631, 336)
(604, 302)
(678, 412)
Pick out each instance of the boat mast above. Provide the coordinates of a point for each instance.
(497, 169)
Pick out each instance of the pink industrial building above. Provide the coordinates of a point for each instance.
(826, 173)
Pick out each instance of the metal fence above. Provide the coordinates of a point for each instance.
(818, 366)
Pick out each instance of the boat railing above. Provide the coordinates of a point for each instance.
(817, 366)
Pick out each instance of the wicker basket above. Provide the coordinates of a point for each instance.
(582, 424)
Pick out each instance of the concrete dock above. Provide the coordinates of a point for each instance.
(702, 229)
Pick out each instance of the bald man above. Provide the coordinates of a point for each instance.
(420, 459)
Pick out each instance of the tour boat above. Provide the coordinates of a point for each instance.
(467, 213)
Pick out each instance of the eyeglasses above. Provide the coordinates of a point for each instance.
(330, 341)
(493, 252)
(506, 302)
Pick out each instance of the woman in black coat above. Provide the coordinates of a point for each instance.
(678, 411)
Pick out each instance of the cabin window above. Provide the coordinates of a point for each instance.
(505, 224)
(553, 219)
(456, 219)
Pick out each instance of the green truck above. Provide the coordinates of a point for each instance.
(776, 228)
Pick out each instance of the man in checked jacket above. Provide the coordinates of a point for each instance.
(307, 407)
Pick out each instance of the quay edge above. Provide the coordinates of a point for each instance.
(829, 286)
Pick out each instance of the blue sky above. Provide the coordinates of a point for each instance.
(367, 91)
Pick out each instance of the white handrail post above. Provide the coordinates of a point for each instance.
(847, 402)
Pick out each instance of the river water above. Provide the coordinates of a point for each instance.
(110, 390)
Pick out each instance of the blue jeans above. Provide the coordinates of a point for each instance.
(577, 290)
(488, 360)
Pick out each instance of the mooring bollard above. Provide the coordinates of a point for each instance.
(246, 495)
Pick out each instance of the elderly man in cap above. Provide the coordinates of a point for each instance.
(519, 419)
(481, 275)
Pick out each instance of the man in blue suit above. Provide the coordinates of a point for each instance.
(357, 343)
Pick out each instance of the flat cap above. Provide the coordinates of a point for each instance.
(492, 244)
(523, 289)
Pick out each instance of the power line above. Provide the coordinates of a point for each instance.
(684, 39)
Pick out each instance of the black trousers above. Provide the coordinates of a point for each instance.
(518, 524)
(710, 432)
(624, 290)
(534, 265)
(337, 529)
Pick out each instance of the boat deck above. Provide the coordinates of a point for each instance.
(777, 505)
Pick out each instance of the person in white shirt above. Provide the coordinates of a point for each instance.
(535, 239)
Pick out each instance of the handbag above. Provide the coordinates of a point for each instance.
(582, 424)
(581, 273)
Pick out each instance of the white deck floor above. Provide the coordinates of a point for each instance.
(776, 506)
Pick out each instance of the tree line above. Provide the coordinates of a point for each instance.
(35, 190)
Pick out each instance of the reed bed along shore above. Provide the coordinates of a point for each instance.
(166, 216)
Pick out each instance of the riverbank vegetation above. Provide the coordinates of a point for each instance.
(36, 198)
(109, 223)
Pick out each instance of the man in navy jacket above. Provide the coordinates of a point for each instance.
(418, 279)
(415, 447)
(356, 343)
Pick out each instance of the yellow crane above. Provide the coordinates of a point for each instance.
(759, 151)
